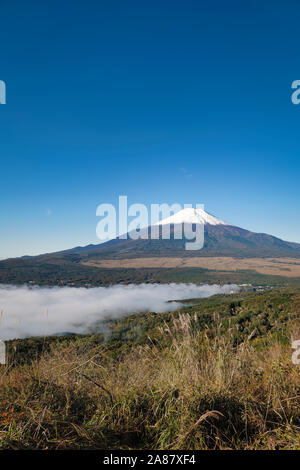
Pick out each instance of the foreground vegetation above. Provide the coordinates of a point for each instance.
(215, 375)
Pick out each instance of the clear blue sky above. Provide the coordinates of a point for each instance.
(163, 101)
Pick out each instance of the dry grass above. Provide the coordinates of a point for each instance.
(200, 392)
(285, 267)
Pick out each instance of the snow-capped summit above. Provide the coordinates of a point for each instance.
(192, 216)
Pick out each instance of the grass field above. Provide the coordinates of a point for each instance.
(285, 267)
(215, 375)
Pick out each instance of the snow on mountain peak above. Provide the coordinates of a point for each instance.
(192, 216)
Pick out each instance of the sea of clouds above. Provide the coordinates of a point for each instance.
(37, 311)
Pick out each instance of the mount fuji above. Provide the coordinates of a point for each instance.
(226, 247)
(220, 239)
(191, 216)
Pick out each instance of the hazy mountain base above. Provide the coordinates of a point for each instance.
(216, 375)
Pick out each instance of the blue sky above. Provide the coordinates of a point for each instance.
(162, 101)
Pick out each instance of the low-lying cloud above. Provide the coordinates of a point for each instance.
(37, 311)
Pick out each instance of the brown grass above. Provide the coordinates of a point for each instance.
(199, 392)
(286, 267)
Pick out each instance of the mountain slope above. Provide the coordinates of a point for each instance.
(220, 240)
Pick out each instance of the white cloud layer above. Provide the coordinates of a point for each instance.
(37, 311)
